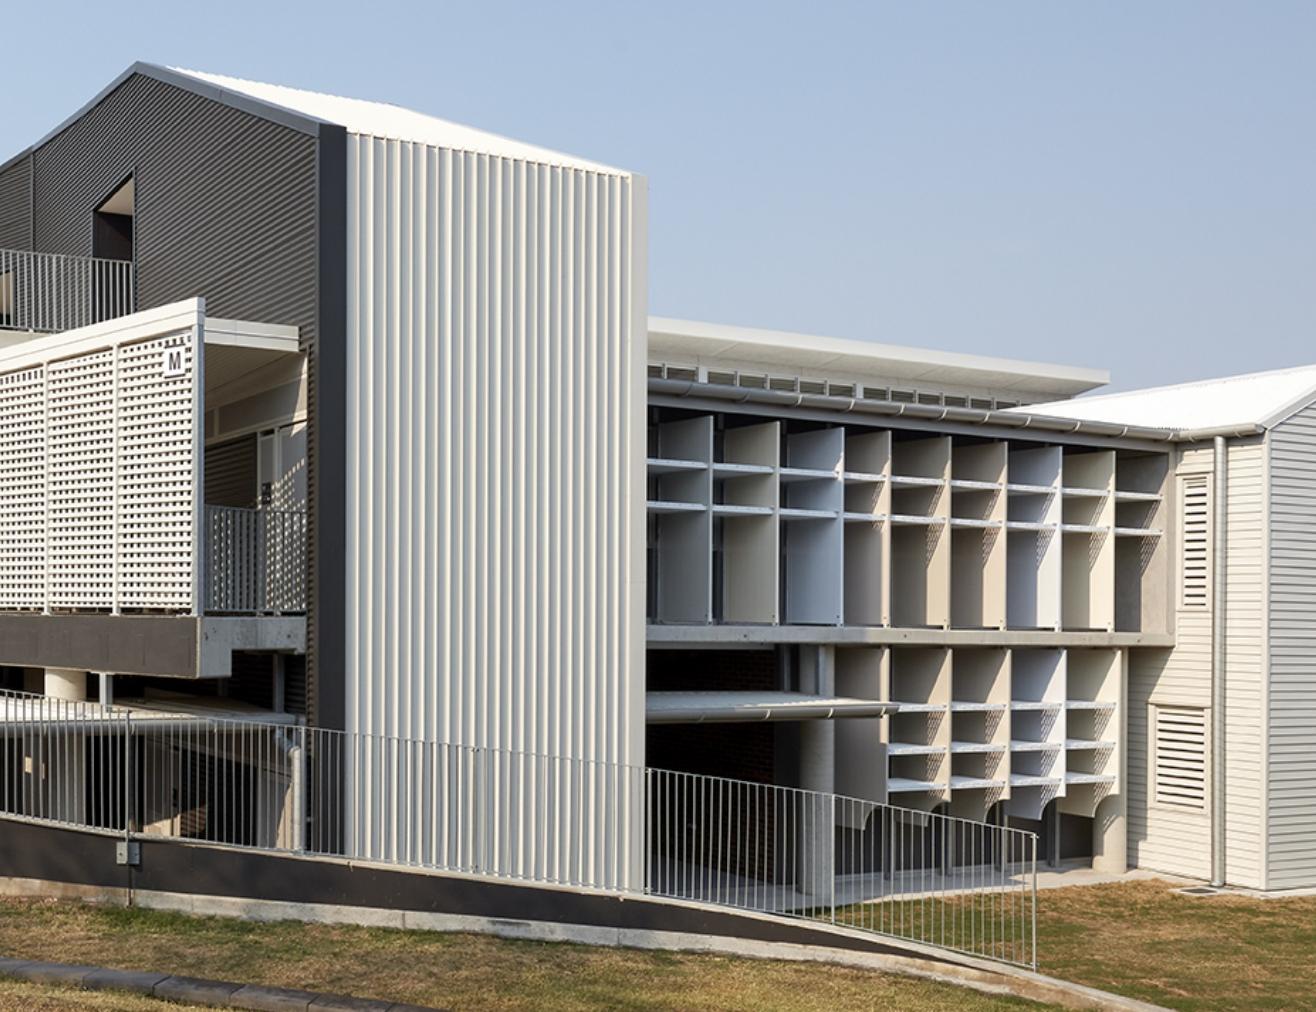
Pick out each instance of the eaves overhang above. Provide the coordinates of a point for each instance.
(1009, 421)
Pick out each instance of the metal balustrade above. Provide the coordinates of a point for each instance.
(48, 293)
(923, 877)
(254, 561)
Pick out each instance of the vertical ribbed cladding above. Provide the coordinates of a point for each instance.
(495, 408)
(16, 204)
(225, 200)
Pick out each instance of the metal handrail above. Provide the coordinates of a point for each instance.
(53, 292)
(254, 561)
(924, 877)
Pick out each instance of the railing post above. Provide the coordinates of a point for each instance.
(128, 779)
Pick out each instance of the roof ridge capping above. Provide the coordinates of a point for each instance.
(386, 120)
(1244, 402)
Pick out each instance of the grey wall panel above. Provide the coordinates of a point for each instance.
(225, 200)
(16, 205)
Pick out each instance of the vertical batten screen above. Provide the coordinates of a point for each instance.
(495, 404)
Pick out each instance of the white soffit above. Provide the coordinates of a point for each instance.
(1253, 399)
(711, 342)
(379, 119)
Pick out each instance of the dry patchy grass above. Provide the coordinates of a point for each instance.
(1144, 940)
(39, 998)
(448, 970)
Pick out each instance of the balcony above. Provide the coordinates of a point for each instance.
(112, 556)
(47, 293)
(255, 561)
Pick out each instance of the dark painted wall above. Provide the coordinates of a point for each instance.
(15, 206)
(225, 201)
(60, 855)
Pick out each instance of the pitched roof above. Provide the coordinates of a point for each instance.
(307, 110)
(380, 119)
(1254, 400)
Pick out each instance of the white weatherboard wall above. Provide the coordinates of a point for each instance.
(100, 465)
(495, 521)
(1291, 778)
(1174, 838)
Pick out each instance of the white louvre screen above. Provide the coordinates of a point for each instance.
(81, 481)
(156, 446)
(98, 487)
(23, 490)
(1180, 751)
(1195, 553)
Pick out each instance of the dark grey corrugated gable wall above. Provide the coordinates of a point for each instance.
(229, 207)
(225, 200)
(15, 209)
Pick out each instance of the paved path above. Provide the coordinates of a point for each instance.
(194, 991)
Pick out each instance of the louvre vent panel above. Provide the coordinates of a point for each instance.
(23, 488)
(1196, 559)
(1181, 756)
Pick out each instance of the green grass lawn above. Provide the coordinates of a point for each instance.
(449, 970)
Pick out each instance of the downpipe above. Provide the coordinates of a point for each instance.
(1219, 563)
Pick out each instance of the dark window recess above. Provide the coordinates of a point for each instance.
(112, 225)
(294, 684)
(231, 475)
(252, 680)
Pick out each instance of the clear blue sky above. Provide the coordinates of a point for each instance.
(1119, 184)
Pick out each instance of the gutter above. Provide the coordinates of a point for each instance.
(1219, 564)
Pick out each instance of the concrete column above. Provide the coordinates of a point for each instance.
(66, 683)
(106, 688)
(1110, 835)
(63, 751)
(816, 829)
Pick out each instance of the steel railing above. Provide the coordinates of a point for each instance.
(49, 292)
(924, 877)
(254, 561)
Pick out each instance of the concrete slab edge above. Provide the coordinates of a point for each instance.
(194, 990)
(978, 974)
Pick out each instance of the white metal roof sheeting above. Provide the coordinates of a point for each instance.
(1259, 399)
(722, 343)
(734, 707)
(379, 119)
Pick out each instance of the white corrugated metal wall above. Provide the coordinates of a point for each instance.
(496, 352)
(1291, 776)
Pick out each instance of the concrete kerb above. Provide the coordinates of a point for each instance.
(195, 990)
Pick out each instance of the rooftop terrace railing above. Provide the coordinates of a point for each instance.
(47, 293)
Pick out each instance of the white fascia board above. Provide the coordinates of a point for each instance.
(247, 334)
(122, 330)
(723, 342)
